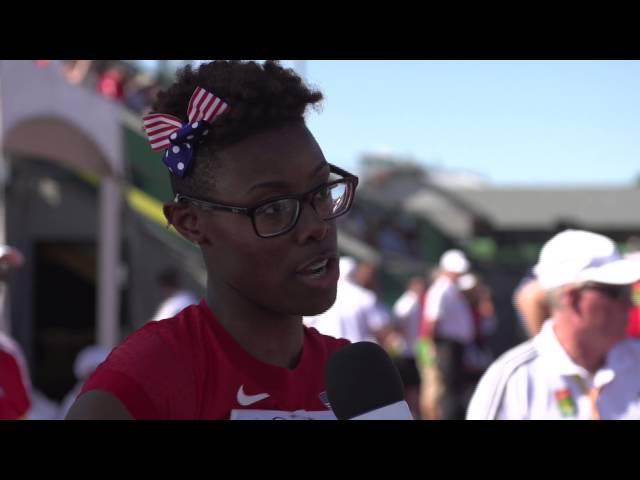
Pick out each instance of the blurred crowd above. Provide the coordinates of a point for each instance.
(437, 332)
(391, 235)
(449, 308)
(120, 81)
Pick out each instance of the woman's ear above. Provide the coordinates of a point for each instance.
(185, 220)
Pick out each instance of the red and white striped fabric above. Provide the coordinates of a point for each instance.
(203, 105)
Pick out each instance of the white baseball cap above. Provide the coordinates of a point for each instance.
(574, 256)
(454, 261)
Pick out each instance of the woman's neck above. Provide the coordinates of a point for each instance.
(270, 337)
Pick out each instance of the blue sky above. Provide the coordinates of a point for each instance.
(513, 122)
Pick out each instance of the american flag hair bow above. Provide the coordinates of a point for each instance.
(168, 133)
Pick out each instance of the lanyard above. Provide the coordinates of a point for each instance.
(593, 393)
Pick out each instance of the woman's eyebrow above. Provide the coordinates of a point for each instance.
(275, 184)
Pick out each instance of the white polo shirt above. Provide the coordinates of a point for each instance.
(446, 306)
(407, 313)
(356, 315)
(538, 380)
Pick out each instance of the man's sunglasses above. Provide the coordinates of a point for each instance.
(614, 292)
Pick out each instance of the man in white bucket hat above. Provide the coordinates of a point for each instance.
(581, 365)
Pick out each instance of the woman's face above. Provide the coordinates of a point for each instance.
(282, 274)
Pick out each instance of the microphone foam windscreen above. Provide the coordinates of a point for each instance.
(360, 378)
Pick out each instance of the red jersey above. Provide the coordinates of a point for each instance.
(189, 367)
(15, 386)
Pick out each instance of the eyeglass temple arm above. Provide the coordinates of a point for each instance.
(341, 172)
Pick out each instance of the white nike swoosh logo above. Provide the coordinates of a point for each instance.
(244, 399)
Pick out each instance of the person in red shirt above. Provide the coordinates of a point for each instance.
(15, 383)
(254, 191)
(111, 83)
(15, 386)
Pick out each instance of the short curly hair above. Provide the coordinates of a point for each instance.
(260, 97)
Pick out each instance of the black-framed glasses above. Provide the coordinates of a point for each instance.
(280, 215)
(614, 292)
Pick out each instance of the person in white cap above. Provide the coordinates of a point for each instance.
(581, 365)
(448, 321)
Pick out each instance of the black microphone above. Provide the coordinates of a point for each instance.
(363, 384)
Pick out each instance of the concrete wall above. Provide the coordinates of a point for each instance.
(48, 203)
